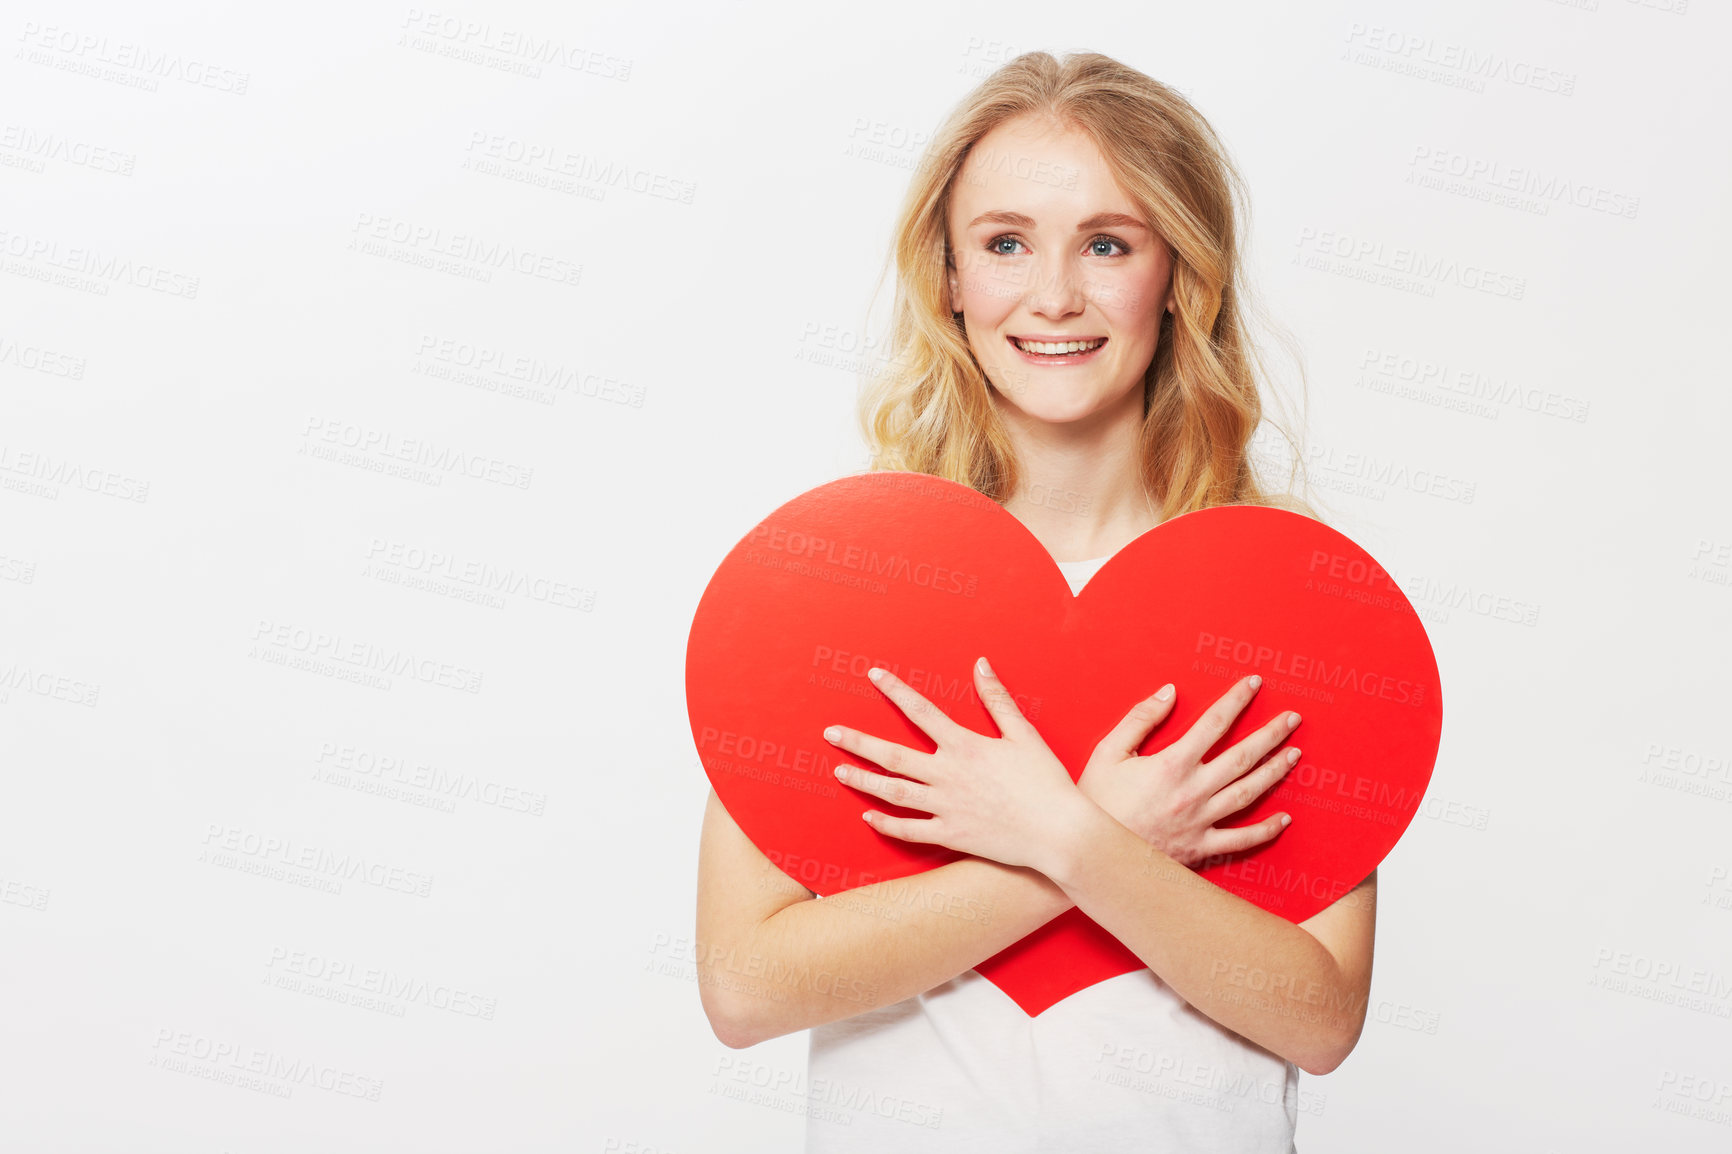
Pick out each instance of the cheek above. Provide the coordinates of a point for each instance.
(987, 301)
(1132, 303)
(988, 287)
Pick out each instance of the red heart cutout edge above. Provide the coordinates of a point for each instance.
(922, 575)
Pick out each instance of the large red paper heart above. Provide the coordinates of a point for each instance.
(921, 576)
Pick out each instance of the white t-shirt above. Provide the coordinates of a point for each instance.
(1124, 1066)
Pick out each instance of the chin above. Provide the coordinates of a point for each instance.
(1054, 412)
(1052, 406)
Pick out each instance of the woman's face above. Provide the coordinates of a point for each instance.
(1048, 248)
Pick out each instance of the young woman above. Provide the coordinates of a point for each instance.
(1069, 341)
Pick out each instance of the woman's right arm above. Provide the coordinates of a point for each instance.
(773, 958)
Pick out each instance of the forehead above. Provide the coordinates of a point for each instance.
(1033, 163)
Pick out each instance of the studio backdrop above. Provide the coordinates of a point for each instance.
(380, 385)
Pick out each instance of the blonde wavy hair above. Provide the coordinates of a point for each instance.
(928, 410)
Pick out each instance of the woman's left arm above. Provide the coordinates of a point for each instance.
(1299, 991)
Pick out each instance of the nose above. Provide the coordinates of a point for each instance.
(1057, 289)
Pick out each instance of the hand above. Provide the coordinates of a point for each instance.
(1172, 799)
(994, 797)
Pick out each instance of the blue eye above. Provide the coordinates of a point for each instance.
(1094, 246)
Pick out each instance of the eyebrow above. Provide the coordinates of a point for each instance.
(1098, 220)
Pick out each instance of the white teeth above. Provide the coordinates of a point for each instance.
(1049, 348)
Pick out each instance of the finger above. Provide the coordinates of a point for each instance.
(1247, 789)
(918, 829)
(1207, 729)
(897, 791)
(927, 717)
(1238, 759)
(892, 756)
(1134, 728)
(1219, 842)
(998, 701)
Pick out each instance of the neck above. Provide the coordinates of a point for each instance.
(1080, 489)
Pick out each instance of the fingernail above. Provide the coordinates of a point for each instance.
(840, 770)
(1292, 720)
(832, 734)
(985, 669)
(1165, 692)
(875, 673)
(1286, 820)
(1254, 681)
(1292, 758)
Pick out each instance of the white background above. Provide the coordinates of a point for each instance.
(209, 850)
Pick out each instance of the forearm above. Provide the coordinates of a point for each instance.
(1252, 971)
(821, 960)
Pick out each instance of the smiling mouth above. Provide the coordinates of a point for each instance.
(1058, 348)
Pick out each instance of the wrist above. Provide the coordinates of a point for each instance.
(1074, 826)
